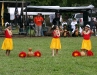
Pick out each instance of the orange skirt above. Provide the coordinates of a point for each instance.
(7, 44)
(86, 44)
(55, 43)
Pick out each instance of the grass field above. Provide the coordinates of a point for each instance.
(63, 64)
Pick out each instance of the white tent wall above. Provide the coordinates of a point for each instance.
(12, 10)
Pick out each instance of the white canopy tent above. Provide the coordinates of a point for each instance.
(46, 10)
(11, 10)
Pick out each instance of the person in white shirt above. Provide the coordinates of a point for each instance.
(73, 23)
(77, 31)
(64, 23)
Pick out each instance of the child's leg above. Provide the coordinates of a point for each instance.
(53, 52)
(83, 50)
(56, 51)
(8, 52)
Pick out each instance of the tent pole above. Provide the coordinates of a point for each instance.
(26, 15)
(91, 17)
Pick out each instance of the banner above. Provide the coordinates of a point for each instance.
(16, 13)
(2, 14)
(21, 16)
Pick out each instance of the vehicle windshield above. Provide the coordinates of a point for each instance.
(79, 16)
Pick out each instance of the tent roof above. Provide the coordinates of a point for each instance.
(58, 8)
(11, 10)
(35, 13)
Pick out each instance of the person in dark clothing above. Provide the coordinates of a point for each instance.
(20, 22)
(56, 20)
(28, 20)
(92, 26)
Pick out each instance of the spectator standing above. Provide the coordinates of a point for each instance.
(73, 23)
(28, 21)
(56, 20)
(38, 20)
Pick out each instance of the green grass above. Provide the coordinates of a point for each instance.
(63, 64)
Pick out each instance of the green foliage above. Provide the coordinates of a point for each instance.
(81, 2)
(61, 2)
(62, 64)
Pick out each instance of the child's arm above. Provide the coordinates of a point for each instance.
(91, 31)
(54, 33)
(10, 32)
(82, 32)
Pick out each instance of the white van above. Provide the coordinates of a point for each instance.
(79, 18)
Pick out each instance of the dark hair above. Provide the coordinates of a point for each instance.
(54, 27)
(8, 25)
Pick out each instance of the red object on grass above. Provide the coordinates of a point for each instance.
(22, 54)
(90, 53)
(37, 54)
(76, 53)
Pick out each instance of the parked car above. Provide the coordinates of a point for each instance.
(79, 18)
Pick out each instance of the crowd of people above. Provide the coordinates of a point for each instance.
(73, 28)
(67, 28)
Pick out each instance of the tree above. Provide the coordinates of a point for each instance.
(61, 2)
